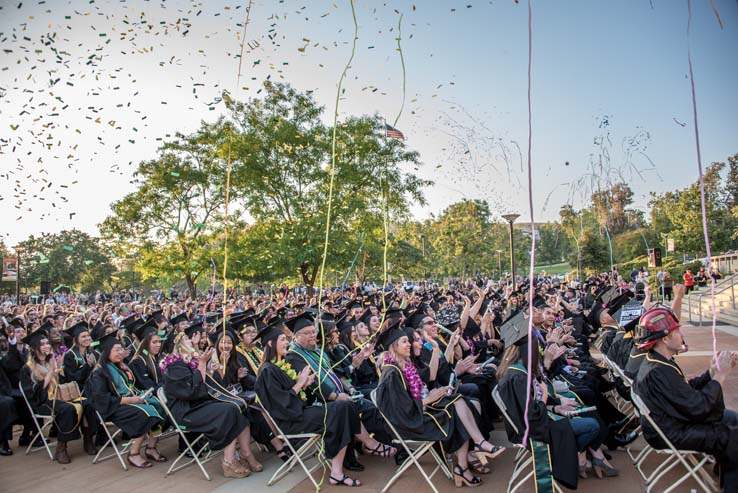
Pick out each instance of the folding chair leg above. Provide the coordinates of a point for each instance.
(442, 464)
(40, 434)
(196, 458)
(295, 459)
(117, 452)
(413, 459)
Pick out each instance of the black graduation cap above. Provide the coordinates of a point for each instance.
(212, 317)
(215, 336)
(295, 324)
(366, 316)
(143, 330)
(386, 338)
(192, 328)
(107, 342)
(415, 319)
(75, 330)
(47, 325)
(128, 321)
(539, 302)
(353, 304)
(616, 303)
(268, 333)
(97, 331)
(274, 320)
(182, 317)
(34, 338)
(238, 324)
(17, 322)
(515, 329)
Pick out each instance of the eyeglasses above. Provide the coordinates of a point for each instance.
(429, 322)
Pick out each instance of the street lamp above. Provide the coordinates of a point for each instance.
(510, 218)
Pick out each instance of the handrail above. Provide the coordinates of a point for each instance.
(725, 284)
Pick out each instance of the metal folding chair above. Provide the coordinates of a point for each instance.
(692, 461)
(47, 419)
(117, 452)
(415, 449)
(299, 453)
(523, 468)
(190, 446)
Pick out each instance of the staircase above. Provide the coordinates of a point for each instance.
(699, 303)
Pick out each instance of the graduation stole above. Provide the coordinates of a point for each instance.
(324, 372)
(253, 357)
(123, 380)
(217, 392)
(540, 453)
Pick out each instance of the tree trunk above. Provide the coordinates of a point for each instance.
(191, 286)
(308, 278)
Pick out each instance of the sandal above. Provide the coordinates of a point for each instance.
(477, 467)
(156, 456)
(381, 450)
(250, 462)
(284, 453)
(460, 479)
(145, 465)
(344, 481)
(483, 454)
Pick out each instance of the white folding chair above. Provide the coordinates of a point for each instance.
(415, 449)
(692, 461)
(117, 452)
(47, 419)
(190, 446)
(300, 454)
(523, 468)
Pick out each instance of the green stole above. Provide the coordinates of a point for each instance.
(124, 388)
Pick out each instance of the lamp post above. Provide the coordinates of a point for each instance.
(18, 251)
(510, 218)
(499, 262)
(422, 239)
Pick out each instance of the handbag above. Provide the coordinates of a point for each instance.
(68, 392)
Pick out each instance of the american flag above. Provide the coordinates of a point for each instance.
(393, 133)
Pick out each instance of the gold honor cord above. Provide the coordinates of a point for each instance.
(228, 179)
(332, 171)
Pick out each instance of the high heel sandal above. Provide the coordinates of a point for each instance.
(156, 458)
(583, 472)
(284, 454)
(459, 478)
(381, 450)
(144, 465)
(602, 469)
(485, 455)
(250, 462)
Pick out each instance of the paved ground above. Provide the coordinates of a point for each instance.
(29, 473)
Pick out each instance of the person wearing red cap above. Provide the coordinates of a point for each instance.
(691, 413)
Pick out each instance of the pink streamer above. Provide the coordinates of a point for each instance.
(702, 183)
(531, 272)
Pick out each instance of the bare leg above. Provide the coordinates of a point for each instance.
(467, 418)
(135, 450)
(244, 442)
(229, 452)
(337, 466)
(370, 443)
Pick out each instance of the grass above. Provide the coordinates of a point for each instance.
(561, 268)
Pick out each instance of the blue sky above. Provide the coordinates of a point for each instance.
(623, 63)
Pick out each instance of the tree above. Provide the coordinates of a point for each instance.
(594, 248)
(282, 170)
(71, 258)
(611, 207)
(168, 222)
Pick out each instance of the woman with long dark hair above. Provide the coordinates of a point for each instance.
(200, 402)
(116, 398)
(441, 415)
(145, 361)
(40, 380)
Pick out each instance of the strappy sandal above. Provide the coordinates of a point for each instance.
(156, 458)
(250, 462)
(485, 455)
(146, 464)
(381, 450)
(345, 481)
(284, 453)
(459, 478)
(477, 467)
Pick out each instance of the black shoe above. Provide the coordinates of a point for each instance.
(618, 424)
(401, 456)
(5, 449)
(24, 440)
(621, 440)
(353, 465)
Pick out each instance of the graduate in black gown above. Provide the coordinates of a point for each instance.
(281, 391)
(115, 397)
(442, 415)
(40, 379)
(145, 362)
(80, 359)
(201, 405)
(8, 414)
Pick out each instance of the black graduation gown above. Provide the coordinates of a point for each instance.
(636, 357)
(13, 362)
(65, 414)
(688, 412)
(8, 413)
(444, 369)
(336, 419)
(76, 368)
(192, 407)
(513, 388)
(365, 377)
(614, 348)
(135, 421)
(437, 422)
(608, 334)
(145, 379)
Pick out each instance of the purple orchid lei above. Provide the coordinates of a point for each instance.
(171, 358)
(414, 382)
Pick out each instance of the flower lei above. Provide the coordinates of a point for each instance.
(287, 368)
(414, 382)
(172, 358)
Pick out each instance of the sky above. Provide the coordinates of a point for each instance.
(88, 89)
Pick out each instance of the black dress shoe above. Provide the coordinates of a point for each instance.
(5, 449)
(24, 440)
(621, 440)
(353, 465)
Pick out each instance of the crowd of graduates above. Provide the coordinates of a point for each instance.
(424, 357)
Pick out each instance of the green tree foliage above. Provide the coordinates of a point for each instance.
(678, 214)
(595, 252)
(282, 169)
(71, 258)
(169, 221)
